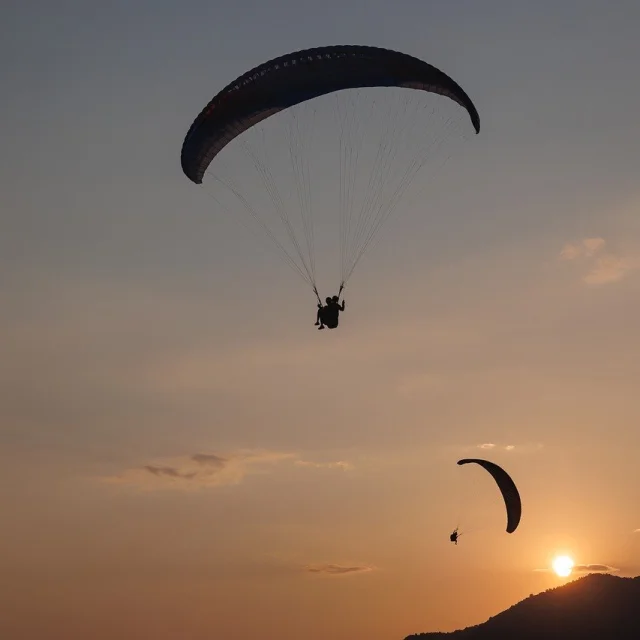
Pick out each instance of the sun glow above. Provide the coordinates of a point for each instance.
(562, 565)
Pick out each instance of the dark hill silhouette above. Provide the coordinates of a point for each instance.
(594, 607)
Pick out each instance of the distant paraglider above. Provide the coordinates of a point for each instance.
(389, 113)
(507, 488)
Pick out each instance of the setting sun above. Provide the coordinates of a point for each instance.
(562, 565)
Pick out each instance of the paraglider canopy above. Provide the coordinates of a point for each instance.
(507, 487)
(339, 131)
(296, 77)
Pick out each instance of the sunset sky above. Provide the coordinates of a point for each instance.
(182, 454)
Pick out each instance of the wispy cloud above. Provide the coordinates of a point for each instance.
(209, 459)
(168, 472)
(585, 248)
(337, 569)
(339, 464)
(594, 568)
(521, 448)
(198, 471)
(585, 568)
(605, 266)
(611, 269)
(203, 470)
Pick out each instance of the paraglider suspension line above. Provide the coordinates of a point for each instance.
(315, 290)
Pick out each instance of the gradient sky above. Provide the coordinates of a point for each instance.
(139, 330)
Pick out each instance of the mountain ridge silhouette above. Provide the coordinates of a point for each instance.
(595, 606)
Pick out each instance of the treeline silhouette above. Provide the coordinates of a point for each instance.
(598, 606)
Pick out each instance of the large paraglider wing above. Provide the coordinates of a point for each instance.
(506, 486)
(300, 76)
